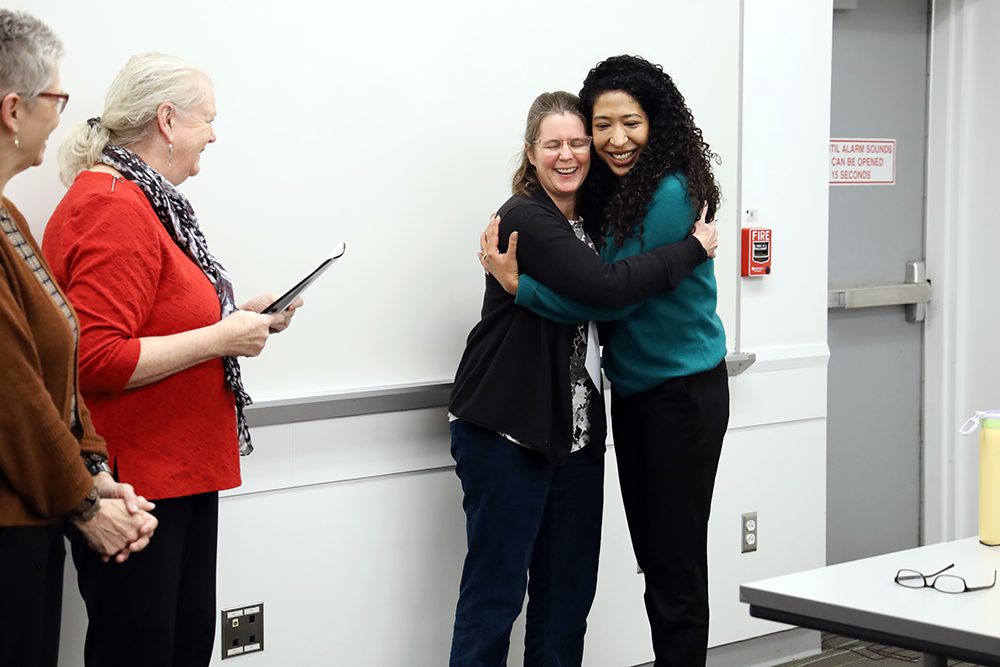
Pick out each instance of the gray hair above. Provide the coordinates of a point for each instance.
(29, 51)
(147, 81)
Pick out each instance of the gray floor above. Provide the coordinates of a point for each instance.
(841, 651)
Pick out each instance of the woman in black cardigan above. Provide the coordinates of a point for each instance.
(528, 414)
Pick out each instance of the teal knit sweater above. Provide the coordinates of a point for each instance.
(670, 335)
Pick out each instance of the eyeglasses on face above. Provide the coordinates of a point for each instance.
(60, 98)
(945, 583)
(554, 146)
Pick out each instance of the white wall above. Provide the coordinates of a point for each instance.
(351, 530)
(774, 460)
(390, 125)
(963, 238)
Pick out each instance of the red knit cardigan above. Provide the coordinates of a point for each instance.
(127, 280)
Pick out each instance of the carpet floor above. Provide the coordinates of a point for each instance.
(841, 651)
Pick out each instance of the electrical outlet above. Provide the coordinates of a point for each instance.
(242, 630)
(749, 532)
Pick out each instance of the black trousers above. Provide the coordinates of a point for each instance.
(157, 608)
(667, 442)
(31, 581)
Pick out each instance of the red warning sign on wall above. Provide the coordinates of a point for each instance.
(862, 161)
(756, 260)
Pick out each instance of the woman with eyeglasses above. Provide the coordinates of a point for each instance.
(52, 461)
(159, 337)
(665, 355)
(528, 414)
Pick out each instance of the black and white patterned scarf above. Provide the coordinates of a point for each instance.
(177, 216)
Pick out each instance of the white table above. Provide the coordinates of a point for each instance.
(861, 599)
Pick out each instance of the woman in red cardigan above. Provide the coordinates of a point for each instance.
(160, 334)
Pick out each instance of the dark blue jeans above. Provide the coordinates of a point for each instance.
(525, 517)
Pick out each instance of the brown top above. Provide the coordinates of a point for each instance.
(42, 474)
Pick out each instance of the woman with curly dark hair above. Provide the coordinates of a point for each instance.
(664, 356)
(528, 421)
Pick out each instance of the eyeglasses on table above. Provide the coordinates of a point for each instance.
(945, 583)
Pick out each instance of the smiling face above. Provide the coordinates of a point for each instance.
(621, 130)
(36, 124)
(192, 132)
(560, 175)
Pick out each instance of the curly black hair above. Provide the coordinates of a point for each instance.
(675, 144)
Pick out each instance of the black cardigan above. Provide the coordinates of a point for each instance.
(514, 374)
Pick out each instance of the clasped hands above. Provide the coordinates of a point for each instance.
(123, 525)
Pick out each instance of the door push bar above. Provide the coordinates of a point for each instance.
(914, 294)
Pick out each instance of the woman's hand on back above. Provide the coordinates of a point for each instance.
(502, 266)
(706, 232)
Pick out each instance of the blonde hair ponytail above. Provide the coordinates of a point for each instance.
(147, 81)
(82, 149)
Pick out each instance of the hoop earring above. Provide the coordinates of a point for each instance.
(170, 154)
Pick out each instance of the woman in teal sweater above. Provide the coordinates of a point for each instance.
(664, 356)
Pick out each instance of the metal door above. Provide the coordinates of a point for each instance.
(879, 91)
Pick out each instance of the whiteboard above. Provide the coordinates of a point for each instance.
(393, 126)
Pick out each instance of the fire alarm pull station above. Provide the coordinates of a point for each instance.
(756, 252)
